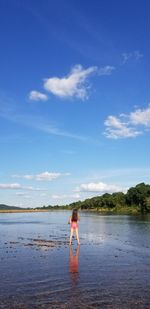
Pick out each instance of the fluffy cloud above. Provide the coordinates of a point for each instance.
(140, 117)
(72, 85)
(45, 176)
(37, 96)
(115, 129)
(98, 187)
(127, 125)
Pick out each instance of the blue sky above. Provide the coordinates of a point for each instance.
(74, 99)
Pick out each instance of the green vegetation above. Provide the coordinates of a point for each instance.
(136, 200)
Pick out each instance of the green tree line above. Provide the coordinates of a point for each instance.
(137, 198)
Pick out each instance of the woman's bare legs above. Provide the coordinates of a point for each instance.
(71, 234)
(77, 236)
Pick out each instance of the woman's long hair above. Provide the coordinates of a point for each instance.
(74, 215)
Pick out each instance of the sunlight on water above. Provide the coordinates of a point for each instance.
(110, 269)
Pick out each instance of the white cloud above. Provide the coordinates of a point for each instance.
(72, 85)
(107, 70)
(45, 176)
(65, 196)
(98, 187)
(17, 186)
(127, 125)
(37, 96)
(12, 186)
(116, 129)
(28, 177)
(135, 55)
(140, 117)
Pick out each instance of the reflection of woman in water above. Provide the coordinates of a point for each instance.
(73, 221)
(73, 261)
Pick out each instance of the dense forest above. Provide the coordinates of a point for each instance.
(137, 199)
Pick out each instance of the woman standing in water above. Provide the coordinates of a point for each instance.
(73, 221)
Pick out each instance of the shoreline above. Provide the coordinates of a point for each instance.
(116, 211)
(22, 210)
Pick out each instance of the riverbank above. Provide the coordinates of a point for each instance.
(23, 210)
(121, 210)
(117, 210)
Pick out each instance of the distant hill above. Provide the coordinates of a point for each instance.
(6, 207)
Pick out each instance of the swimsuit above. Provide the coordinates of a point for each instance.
(74, 225)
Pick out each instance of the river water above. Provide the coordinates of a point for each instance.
(109, 270)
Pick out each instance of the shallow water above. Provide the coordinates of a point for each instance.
(110, 269)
